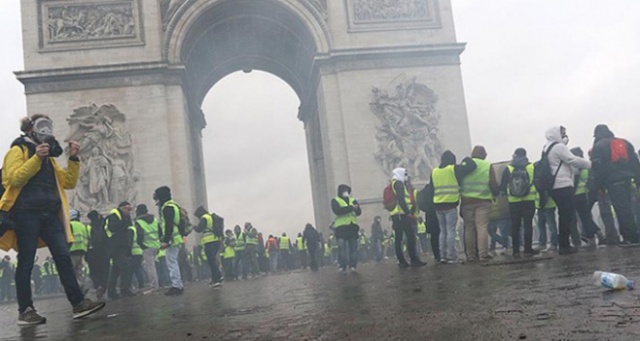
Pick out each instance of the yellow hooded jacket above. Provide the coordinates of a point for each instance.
(18, 169)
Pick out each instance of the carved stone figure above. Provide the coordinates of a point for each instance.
(169, 9)
(90, 21)
(389, 10)
(108, 175)
(408, 131)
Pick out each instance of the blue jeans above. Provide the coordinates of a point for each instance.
(377, 250)
(448, 220)
(547, 218)
(171, 257)
(273, 259)
(503, 226)
(29, 227)
(347, 253)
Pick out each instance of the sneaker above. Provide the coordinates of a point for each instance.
(86, 308)
(174, 292)
(403, 265)
(353, 269)
(551, 248)
(418, 264)
(216, 284)
(486, 258)
(452, 261)
(342, 270)
(30, 317)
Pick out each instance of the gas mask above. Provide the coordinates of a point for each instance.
(43, 133)
(345, 194)
(565, 140)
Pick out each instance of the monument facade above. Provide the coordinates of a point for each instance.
(379, 85)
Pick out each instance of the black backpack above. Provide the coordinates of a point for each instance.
(218, 225)
(519, 183)
(424, 198)
(543, 179)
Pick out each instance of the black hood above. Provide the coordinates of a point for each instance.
(342, 188)
(162, 194)
(602, 132)
(447, 159)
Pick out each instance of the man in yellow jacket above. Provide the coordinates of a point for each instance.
(36, 204)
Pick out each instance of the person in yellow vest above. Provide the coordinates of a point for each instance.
(251, 249)
(240, 261)
(136, 258)
(78, 248)
(117, 227)
(210, 241)
(517, 184)
(284, 245)
(7, 273)
(302, 250)
(478, 191)
(445, 182)
(35, 195)
(346, 210)
(589, 227)
(403, 219)
(171, 239)
(148, 237)
(228, 256)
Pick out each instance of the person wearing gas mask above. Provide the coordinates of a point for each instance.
(38, 213)
(346, 210)
(562, 163)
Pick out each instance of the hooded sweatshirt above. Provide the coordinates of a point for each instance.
(351, 231)
(518, 161)
(561, 153)
(400, 188)
(606, 172)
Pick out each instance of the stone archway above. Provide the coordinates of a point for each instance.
(152, 62)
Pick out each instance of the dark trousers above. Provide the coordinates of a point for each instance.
(566, 213)
(120, 269)
(211, 250)
(284, 260)
(589, 227)
(136, 270)
(227, 264)
(620, 194)
(98, 262)
(402, 225)
(47, 226)
(240, 264)
(251, 261)
(435, 244)
(604, 206)
(313, 253)
(522, 215)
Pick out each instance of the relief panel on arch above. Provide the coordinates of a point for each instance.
(381, 15)
(74, 24)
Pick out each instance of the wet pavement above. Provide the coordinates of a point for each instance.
(547, 299)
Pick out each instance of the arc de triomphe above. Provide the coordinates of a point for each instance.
(379, 84)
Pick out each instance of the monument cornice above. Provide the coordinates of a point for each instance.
(389, 57)
(100, 77)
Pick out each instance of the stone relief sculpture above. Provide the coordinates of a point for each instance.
(320, 5)
(407, 134)
(169, 9)
(108, 175)
(389, 10)
(90, 21)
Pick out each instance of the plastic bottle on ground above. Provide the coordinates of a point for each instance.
(612, 281)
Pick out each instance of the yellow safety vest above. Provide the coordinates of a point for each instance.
(229, 251)
(252, 240)
(422, 228)
(80, 236)
(581, 188)
(445, 185)
(207, 235)
(161, 253)
(136, 250)
(240, 242)
(301, 245)
(407, 199)
(106, 221)
(532, 191)
(345, 219)
(476, 184)
(150, 238)
(177, 237)
(284, 243)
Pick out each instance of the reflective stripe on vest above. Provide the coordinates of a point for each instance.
(422, 228)
(106, 221)
(240, 242)
(445, 184)
(229, 251)
(207, 235)
(301, 245)
(532, 190)
(284, 243)
(581, 188)
(252, 240)
(177, 237)
(150, 238)
(476, 184)
(407, 199)
(345, 219)
(136, 250)
(80, 236)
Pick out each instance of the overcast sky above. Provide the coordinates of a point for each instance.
(528, 65)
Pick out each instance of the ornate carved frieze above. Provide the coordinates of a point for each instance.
(108, 175)
(407, 132)
(371, 15)
(73, 24)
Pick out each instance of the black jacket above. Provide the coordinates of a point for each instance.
(121, 239)
(606, 172)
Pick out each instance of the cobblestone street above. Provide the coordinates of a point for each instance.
(547, 299)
